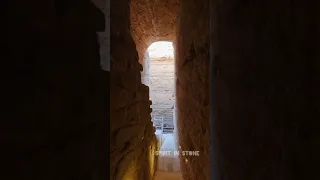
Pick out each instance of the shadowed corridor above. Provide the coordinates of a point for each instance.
(246, 89)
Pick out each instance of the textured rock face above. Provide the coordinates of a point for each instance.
(157, 20)
(132, 138)
(56, 94)
(192, 86)
(266, 80)
(151, 21)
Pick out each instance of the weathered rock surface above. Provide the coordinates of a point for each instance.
(151, 21)
(192, 86)
(157, 21)
(132, 138)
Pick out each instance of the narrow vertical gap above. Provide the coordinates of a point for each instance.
(160, 69)
(159, 74)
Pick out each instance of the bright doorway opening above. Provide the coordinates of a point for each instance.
(161, 85)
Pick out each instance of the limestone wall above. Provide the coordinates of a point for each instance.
(151, 21)
(132, 138)
(192, 86)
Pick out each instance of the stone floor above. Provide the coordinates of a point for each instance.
(167, 176)
(168, 167)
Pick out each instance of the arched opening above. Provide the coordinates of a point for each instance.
(161, 85)
(159, 68)
(159, 76)
(152, 21)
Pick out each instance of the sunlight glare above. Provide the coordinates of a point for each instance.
(161, 49)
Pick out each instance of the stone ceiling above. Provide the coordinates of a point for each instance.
(151, 21)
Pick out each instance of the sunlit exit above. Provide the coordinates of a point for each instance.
(161, 49)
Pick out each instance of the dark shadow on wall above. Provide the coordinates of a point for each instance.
(56, 95)
(266, 89)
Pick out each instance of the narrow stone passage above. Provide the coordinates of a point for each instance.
(246, 86)
(162, 94)
(168, 166)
